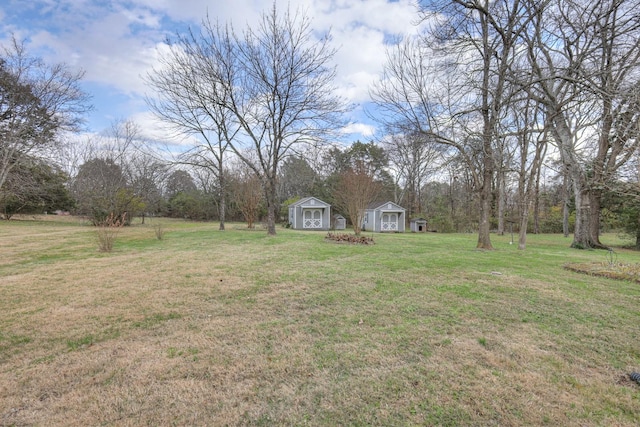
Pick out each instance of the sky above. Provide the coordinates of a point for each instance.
(117, 42)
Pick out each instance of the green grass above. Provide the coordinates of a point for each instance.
(241, 328)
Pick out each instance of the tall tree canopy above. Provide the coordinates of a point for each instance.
(37, 101)
(571, 65)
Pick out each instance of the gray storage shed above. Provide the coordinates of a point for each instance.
(310, 213)
(384, 217)
(339, 222)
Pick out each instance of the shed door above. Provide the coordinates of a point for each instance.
(312, 218)
(389, 222)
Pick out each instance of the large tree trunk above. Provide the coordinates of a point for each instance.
(581, 235)
(595, 198)
(271, 196)
(222, 209)
(488, 132)
(484, 229)
(271, 218)
(524, 222)
(564, 139)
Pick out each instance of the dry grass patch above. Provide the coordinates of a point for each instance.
(232, 328)
(610, 270)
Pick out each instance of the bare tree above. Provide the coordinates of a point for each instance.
(273, 84)
(413, 158)
(37, 103)
(356, 189)
(530, 139)
(147, 175)
(192, 101)
(117, 174)
(450, 85)
(586, 61)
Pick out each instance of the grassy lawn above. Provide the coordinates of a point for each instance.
(238, 328)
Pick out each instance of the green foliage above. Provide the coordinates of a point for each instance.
(184, 205)
(180, 181)
(297, 178)
(621, 209)
(551, 220)
(194, 205)
(122, 209)
(284, 209)
(441, 223)
(33, 186)
(96, 188)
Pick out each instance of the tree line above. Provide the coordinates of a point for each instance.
(497, 115)
(506, 85)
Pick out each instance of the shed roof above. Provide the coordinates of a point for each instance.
(381, 206)
(307, 202)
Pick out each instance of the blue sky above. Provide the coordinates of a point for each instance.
(116, 43)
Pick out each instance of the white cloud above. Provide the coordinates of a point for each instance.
(116, 42)
(359, 129)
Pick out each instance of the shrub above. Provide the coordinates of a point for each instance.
(108, 231)
(159, 230)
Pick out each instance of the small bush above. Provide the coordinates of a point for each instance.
(108, 231)
(159, 230)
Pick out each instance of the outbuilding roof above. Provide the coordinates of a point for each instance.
(382, 206)
(310, 202)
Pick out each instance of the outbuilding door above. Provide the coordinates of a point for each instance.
(389, 222)
(312, 218)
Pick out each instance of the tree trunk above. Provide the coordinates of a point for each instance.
(223, 195)
(484, 229)
(595, 197)
(565, 204)
(638, 234)
(536, 203)
(581, 238)
(524, 222)
(222, 209)
(357, 229)
(271, 218)
(501, 201)
(564, 140)
(271, 196)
